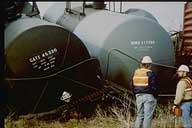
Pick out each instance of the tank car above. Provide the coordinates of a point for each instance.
(43, 61)
(120, 40)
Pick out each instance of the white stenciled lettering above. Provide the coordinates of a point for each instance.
(143, 45)
(43, 55)
(145, 42)
(42, 60)
(34, 63)
(46, 68)
(49, 52)
(45, 60)
(52, 62)
(52, 65)
(52, 58)
(46, 54)
(55, 50)
(31, 60)
(135, 43)
(35, 58)
(43, 63)
(35, 66)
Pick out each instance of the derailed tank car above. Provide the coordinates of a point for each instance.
(120, 40)
(43, 61)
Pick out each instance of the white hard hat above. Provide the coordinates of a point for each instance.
(184, 68)
(146, 59)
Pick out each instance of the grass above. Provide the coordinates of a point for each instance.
(115, 118)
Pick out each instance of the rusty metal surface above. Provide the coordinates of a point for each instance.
(187, 30)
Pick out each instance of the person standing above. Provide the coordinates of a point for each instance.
(183, 97)
(144, 86)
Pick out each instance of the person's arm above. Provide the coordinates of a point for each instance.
(153, 82)
(179, 92)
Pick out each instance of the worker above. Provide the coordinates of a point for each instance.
(144, 86)
(183, 98)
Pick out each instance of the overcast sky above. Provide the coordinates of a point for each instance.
(168, 14)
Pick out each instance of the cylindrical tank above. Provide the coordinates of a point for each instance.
(134, 32)
(36, 48)
(134, 35)
(56, 14)
(36, 54)
(140, 12)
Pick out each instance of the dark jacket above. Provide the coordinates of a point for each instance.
(150, 89)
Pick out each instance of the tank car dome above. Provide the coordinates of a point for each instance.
(34, 47)
(51, 15)
(135, 35)
(140, 12)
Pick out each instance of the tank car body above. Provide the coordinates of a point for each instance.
(34, 47)
(120, 40)
(42, 61)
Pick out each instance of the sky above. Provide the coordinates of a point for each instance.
(168, 14)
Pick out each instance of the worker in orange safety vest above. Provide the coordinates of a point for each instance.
(183, 98)
(144, 86)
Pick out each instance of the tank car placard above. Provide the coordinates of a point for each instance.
(45, 60)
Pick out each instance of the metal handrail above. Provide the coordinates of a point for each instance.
(123, 53)
(54, 74)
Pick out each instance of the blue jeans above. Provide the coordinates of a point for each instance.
(186, 113)
(146, 104)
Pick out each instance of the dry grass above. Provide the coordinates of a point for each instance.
(118, 118)
(164, 118)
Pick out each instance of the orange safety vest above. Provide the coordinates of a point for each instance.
(188, 81)
(140, 77)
